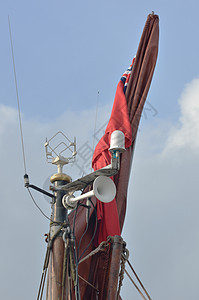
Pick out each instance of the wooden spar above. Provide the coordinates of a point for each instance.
(113, 268)
(104, 271)
(109, 262)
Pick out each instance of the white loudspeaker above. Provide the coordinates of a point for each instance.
(103, 189)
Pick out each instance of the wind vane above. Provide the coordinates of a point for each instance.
(54, 153)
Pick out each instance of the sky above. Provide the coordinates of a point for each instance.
(69, 57)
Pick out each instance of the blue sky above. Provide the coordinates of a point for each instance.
(65, 52)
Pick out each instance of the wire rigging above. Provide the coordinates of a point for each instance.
(31, 196)
(17, 94)
(76, 251)
(94, 233)
(20, 122)
(138, 279)
(96, 112)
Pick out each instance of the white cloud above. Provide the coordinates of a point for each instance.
(23, 247)
(161, 226)
(186, 134)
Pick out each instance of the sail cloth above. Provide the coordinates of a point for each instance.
(135, 97)
(136, 94)
(107, 215)
(125, 116)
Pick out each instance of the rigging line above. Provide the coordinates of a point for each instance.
(40, 208)
(80, 240)
(134, 284)
(94, 233)
(77, 293)
(83, 279)
(102, 246)
(43, 277)
(95, 122)
(138, 279)
(17, 94)
(64, 269)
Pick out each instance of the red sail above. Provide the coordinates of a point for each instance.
(107, 215)
(136, 93)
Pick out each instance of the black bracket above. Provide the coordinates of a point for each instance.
(27, 185)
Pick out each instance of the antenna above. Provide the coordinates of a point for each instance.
(17, 94)
(55, 150)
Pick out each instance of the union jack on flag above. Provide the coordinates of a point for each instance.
(125, 77)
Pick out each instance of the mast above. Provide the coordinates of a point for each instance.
(59, 220)
(63, 266)
(55, 270)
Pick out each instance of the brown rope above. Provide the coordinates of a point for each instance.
(138, 280)
(124, 258)
(89, 283)
(101, 247)
(121, 276)
(46, 262)
(135, 284)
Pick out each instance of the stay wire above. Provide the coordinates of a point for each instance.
(95, 120)
(135, 285)
(76, 252)
(43, 277)
(59, 223)
(94, 233)
(86, 229)
(77, 293)
(17, 94)
(138, 279)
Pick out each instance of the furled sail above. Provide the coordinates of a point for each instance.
(136, 93)
(93, 271)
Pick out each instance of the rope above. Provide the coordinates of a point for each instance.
(124, 258)
(31, 196)
(138, 280)
(46, 262)
(101, 247)
(52, 222)
(64, 269)
(93, 236)
(135, 284)
(89, 284)
(43, 277)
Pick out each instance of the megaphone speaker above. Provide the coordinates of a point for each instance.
(103, 189)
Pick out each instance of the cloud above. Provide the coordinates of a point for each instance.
(186, 133)
(22, 243)
(161, 225)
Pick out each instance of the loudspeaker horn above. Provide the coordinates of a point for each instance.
(103, 189)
